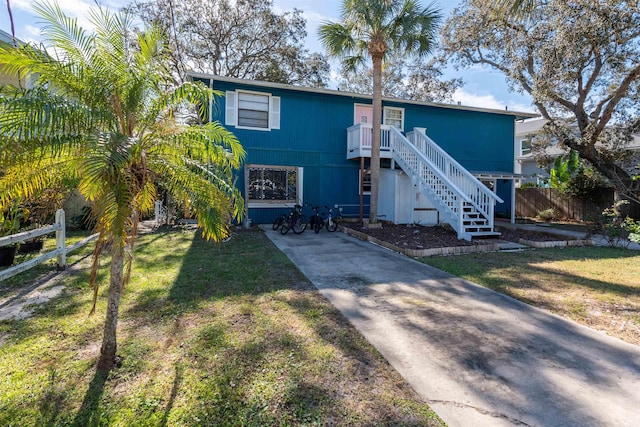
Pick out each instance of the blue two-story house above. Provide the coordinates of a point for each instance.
(310, 145)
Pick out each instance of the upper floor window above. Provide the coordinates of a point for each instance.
(525, 147)
(394, 117)
(252, 110)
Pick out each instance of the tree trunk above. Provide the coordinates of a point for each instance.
(109, 345)
(375, 138)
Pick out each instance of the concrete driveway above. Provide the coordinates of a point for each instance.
(479, 358)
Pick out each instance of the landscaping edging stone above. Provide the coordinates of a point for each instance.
(556, 243)
(418, 253)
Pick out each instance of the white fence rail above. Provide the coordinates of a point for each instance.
(60, 252)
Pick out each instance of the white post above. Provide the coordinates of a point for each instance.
(61, 246)
(513, 201)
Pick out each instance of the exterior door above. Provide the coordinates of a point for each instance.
(363, 114)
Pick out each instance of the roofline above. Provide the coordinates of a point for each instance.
(517, 114)
(8, 38)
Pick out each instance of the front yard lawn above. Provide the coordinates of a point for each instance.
(210, 334)
(596, 286)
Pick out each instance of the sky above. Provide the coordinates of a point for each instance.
(483, 87)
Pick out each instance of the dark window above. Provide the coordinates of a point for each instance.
(253, 110)
(273, 183)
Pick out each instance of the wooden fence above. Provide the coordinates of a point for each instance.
(531, 201)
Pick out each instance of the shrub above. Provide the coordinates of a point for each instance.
(619, 230)
(530, 185)
(547, 215)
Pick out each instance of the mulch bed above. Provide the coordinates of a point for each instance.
(423, 237)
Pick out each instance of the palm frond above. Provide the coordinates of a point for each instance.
(337, 39)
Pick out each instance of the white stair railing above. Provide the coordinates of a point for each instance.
(481, 197)
(444, 179)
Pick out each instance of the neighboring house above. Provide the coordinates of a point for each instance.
(7, 40)
(525, 162)
(307, 145)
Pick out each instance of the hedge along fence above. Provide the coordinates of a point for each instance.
(531, 201)
(60, 252)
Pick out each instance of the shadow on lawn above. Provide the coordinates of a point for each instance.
(86, 415)
(211, 271)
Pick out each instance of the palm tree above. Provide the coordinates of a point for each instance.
(372, 29)
(103, 112)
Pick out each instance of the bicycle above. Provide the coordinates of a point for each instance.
(277, 223)
(295, 221)
(323, 219)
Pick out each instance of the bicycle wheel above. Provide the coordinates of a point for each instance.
(286, 225)
(278, 223)
(300, 224)
(332, 225)
(317, 226)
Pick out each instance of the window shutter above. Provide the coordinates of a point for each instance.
(231, 109)
(274, 112)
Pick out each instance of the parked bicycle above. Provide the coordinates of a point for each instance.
(324, 218)
(295, 221)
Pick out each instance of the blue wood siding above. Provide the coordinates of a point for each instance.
(313, 136)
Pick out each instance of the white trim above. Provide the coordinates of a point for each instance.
(299, 186)
(210, 118)
(384, 116)
(257, 83)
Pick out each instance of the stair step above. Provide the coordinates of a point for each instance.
(484, 233)
(478, 229)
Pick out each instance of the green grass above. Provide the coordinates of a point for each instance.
(210, 334)
(596, 286)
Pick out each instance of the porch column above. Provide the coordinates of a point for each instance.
(513, 201)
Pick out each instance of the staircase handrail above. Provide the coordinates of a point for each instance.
(483, 188)
(436, 170)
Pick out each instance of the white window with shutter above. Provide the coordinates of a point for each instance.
(252, 110)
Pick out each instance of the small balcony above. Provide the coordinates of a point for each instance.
(359, 141)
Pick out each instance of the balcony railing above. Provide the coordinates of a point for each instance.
(359, 141)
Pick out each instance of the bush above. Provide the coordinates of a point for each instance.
(619, 230)
(547, 215)
(530, 185)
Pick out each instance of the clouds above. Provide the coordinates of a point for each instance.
(488, 101)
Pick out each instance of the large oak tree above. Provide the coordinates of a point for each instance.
(580, 62)
(240, 38)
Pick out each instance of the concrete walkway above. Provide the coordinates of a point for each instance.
(479, 358)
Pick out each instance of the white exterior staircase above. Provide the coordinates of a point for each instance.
(461, 199)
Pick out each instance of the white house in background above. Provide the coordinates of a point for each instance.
(7, 40)
(525, 162)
